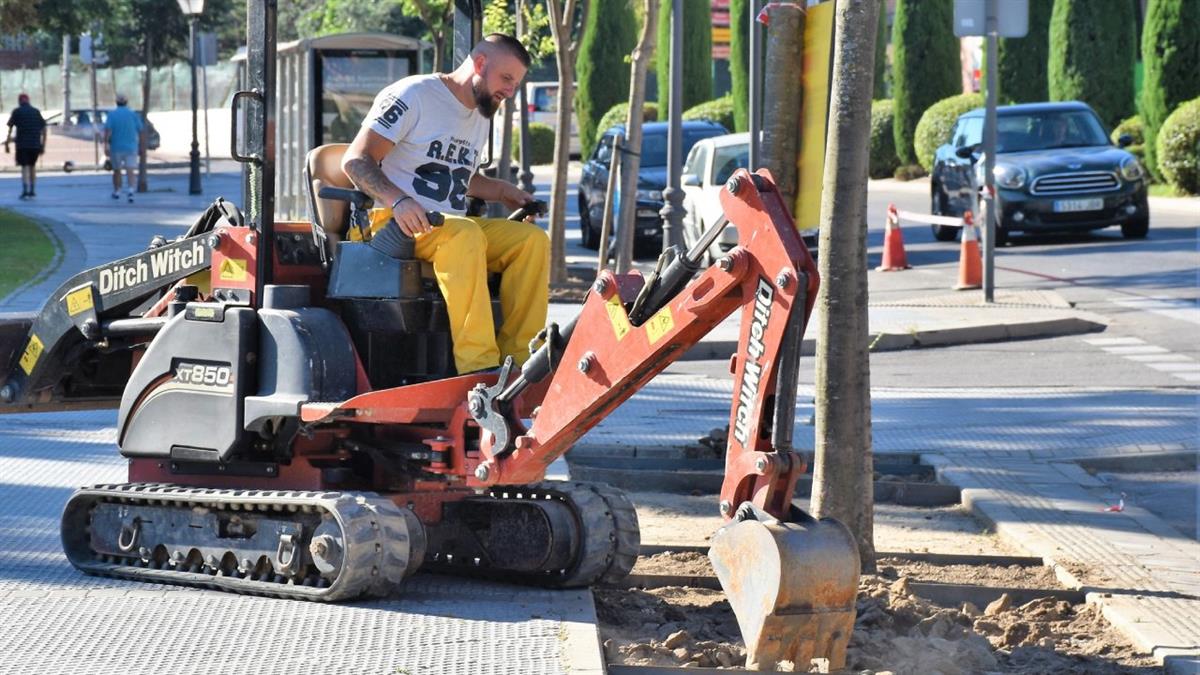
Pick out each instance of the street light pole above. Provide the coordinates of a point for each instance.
(192, 9)
(194, 177)
(672, 211)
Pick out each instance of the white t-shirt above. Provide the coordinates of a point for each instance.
(439, 141)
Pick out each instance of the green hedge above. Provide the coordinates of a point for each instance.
(1022, 61)
(937, 124)
(618, 113)
(697, 53)
(602, 74)
(1132, 126)
(883, 161)
(1171, 55)
(925, 65)
(739, 63)
(1178, 147)
(1092, 56)
(541, 143)
(881, 42)
(719, 110)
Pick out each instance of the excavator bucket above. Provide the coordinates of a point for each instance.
(792, 586)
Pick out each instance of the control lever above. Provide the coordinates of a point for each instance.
(536, 207)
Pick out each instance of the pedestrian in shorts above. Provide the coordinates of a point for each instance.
(122, 137)
(30, 128)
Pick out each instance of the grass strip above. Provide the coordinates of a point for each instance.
(25, 251)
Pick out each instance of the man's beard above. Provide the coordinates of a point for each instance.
(484, 102)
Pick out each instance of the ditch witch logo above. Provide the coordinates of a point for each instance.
(161, 263)
(752, 373)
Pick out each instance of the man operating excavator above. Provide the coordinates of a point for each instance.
(418, 151)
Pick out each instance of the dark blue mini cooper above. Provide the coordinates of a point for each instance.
(1055, 171)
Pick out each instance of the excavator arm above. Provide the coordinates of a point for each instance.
(631, 329)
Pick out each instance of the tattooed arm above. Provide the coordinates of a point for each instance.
(361, 164)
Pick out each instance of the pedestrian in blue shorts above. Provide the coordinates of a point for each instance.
(122, 136)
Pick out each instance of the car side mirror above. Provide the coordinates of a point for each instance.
(965, 152)
(1124, 140)
(691, 180)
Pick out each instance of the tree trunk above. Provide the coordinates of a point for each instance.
(631, 161)
(142, 183)
(781, 98)
(562, 23)
(562, 148)
(439, 47)
(842, 477)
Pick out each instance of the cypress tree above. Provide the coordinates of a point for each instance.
(1092, 56)
(881, 43)
(603, 74)
(1171, 56)
(1022, 61)
(925, 65)
(697, 54)
(739, 62)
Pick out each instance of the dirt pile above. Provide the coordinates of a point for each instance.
(896, 631)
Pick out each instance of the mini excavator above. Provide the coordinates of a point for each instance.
(294, 426)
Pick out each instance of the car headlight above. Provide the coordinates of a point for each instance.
(650, 195)
(1009, 177)
(1131, 169)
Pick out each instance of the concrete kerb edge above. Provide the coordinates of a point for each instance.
(990, 507)
(949, 337)
(579, 644)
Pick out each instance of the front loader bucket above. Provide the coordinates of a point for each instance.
(792, 586)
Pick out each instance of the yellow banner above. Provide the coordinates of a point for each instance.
(720, 35)
(814, 113)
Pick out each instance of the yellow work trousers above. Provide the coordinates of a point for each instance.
(463, 251)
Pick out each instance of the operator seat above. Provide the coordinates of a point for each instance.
(330, 217)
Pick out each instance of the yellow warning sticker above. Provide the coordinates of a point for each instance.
(616, 314)
(660, 324)
(233, 269)
(33, 352)
(79, 300)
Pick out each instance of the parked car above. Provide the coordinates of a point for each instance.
(709, 165)
(652, 180)
(84, 125)
(542, 102)
(1056, 170)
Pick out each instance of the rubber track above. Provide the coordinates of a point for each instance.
(375, 534)
(608, 546)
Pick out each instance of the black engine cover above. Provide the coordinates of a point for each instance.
(186, 397)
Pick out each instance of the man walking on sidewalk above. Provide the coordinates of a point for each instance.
(31, 141)
(122, 134)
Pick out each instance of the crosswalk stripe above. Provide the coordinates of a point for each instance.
(1158, 358)
(1176, 367)
(1175, 308)
(1104, 342)
(1136, 349)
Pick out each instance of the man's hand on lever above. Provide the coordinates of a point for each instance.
(410, 216)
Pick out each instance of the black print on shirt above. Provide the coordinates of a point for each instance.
(392, 114)
(437, 182)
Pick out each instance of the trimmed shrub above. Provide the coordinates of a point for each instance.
(1171, 55)
(881, 42)
(1021, 62)
(937, 124)
(1133, 127)
(739, 63)
(697, 54)
(541, 143)
(925, 65)
(1178, 147)
(719, 110)
(603, 75)
(909, 172)
(1092, 56)
(882, 158)
(618, 113)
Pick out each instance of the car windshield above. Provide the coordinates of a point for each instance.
(654, 146)
(728, 159)
(1046, 130)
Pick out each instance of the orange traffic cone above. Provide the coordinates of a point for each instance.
(970, 266)
(893, 244)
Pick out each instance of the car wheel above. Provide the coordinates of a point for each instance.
(937, 206)
(591, 238)
(1137, 228)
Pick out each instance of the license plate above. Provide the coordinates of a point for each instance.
(1070, 205)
